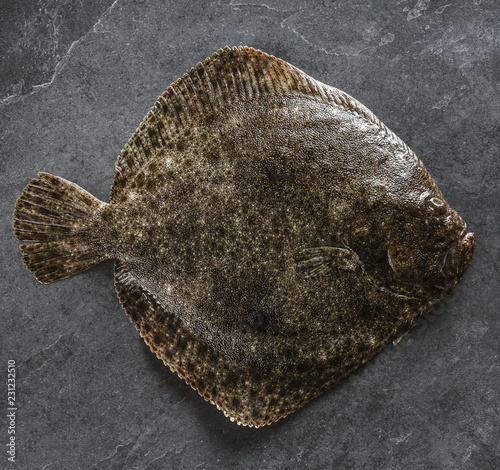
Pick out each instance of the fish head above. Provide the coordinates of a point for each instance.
(429, 250)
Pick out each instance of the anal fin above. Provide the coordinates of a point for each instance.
(247, 394)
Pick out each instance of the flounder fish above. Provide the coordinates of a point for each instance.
(270, 234)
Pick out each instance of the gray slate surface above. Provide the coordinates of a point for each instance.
(77, 78)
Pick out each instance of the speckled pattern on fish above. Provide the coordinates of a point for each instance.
(270, 234)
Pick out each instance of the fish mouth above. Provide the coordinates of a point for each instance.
(465, 248)
(457, 260)
(466, 243)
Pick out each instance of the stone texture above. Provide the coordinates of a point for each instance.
(75, 83)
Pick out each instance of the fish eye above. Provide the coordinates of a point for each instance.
(436, 204)
(436, 201)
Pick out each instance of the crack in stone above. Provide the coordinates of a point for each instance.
(115, 452)
(417, 10)
(61, 63)
(400, 439)
(174, 450)
(37, 360)
(257, 5)
(384, 40)
(302, 37)
(143, 437)
(289, 13)
(322, 49)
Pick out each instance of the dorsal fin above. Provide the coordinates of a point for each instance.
(230, 75)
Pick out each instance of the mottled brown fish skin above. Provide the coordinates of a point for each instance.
(271, 233)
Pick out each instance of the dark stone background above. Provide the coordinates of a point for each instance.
(77, 78)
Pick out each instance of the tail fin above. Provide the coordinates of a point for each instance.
(61, 218)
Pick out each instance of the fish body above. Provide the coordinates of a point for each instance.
(271, 234)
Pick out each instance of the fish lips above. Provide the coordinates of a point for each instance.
(457, 260)
(466, 245)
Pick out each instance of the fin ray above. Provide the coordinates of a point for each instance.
(319, 261)
(65, 244)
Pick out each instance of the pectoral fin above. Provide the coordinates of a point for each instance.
(319, 261)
